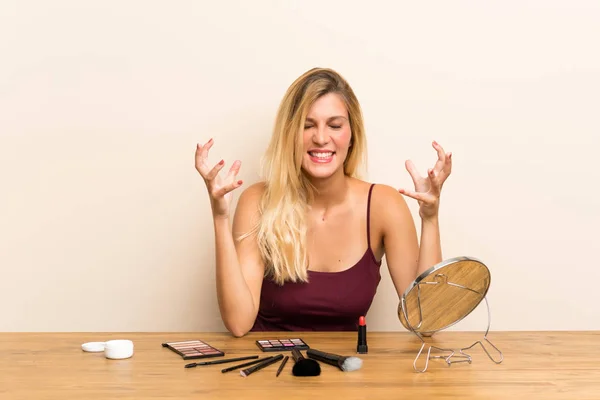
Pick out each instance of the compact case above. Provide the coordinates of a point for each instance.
(193, 349)
(282, 344)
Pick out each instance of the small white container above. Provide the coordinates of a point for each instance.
(118, 349)
(93, 347)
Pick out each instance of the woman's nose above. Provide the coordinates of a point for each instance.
(320, 136)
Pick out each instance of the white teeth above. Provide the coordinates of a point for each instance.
(321, 155)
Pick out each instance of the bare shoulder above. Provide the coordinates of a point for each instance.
(250, 198)
(247, 210)
(381, 196)
(388, 207)
(385, 195)
(253, 192)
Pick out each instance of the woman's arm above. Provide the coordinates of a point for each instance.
(399, 235)
(239, 269)
(407, 259)
(430, 250)
(427, 192)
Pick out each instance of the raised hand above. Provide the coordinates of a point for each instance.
(219, 188)
(428, 189)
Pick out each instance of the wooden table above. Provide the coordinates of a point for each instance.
(541, 365)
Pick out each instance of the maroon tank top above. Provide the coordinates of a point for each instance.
(330, 301)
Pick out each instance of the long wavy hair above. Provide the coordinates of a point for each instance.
(282, 228)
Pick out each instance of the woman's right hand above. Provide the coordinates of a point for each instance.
(219, 189)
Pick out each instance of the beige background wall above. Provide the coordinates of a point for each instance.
(105, 224)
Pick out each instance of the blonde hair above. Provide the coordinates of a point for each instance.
(282, 229)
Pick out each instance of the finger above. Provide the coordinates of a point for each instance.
(440, 151)
(435, 185)
(199, 157)
(441, 161)
(202, 151)
(228, 188)
(207, 147)
(198, 151)
(234, 170)
(448, 167)
(214, 171)
(415, 195)
(445, 172)
(431, 173)
(412, 170)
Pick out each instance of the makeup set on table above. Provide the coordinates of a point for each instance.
(198, 349)
(439, 298)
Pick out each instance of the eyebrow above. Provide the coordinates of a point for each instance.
(328, 119)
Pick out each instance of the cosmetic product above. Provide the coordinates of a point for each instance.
(286, 358)
(113, 349)
(282, 344)
(234, 367)
(361, 346)
(345, 364)
(304, 366)
(118, 349)
(93, 347)
(192, 349)
(261, 365)
(192, 365)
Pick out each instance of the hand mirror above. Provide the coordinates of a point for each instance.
(441, 297)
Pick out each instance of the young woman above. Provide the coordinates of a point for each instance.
(306, 245)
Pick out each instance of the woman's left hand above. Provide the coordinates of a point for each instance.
(428, 189)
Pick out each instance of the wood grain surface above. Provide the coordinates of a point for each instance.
(539, 365)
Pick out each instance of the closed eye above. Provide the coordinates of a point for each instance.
(331, 126)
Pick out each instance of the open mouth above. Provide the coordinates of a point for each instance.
(321, 156)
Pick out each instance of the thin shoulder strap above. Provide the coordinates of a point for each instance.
(369, 216)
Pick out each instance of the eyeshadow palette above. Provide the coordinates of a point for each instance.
(192, 349)
(282, 344)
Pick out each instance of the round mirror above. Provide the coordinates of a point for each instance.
(444, 295)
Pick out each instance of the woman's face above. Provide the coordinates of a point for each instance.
(326, 137)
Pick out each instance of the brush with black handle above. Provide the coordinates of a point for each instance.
(345, 364)
(304, 366)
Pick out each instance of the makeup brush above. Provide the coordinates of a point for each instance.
(304, 366)
(238, 366)
(345, 364)
(285, 360)
(228, 360)
(261, 365)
